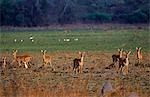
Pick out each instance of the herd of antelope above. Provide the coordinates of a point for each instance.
(122, 59)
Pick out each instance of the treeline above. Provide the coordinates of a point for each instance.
(46, 12)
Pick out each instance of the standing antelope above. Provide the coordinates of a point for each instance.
(47, 59)
(124, 64)
(21, 59)
(78, 63)
(139, 54)
(116, 57)
(3, 62)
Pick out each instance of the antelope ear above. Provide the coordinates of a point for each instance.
(136, 48)
(140, 48)
(41, 50)
(118, 49)
(129, 52)
(4, 58)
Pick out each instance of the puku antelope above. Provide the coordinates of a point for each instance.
(78, 63)
(116, 57)
(124, 64)
(47, 59)
(3, 62)
(21, 59)
(139, 54)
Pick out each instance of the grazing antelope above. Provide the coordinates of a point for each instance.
(21, 59)
(47, 59)
(78, 63)
(139, 54)
(116, 57)
(124, 63)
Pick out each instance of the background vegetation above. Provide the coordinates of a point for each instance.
(45, 12)
(79, 39)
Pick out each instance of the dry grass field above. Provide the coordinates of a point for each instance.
(37, 81)
(63, 43)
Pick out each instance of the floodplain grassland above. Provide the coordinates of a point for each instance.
(93, 39)
(99, 45)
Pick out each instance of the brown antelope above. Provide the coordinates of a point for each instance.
(139, 54)
(124, 64)
(3, 62)
(116, 57)
(21, 58)
(46, 59)
(78, 63)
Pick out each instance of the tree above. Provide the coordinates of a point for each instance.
(46, 12)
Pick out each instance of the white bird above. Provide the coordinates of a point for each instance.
(76, 39)
(31, 37)
(15, 40)
(32, 40)
(21, 40)
(67, 39)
